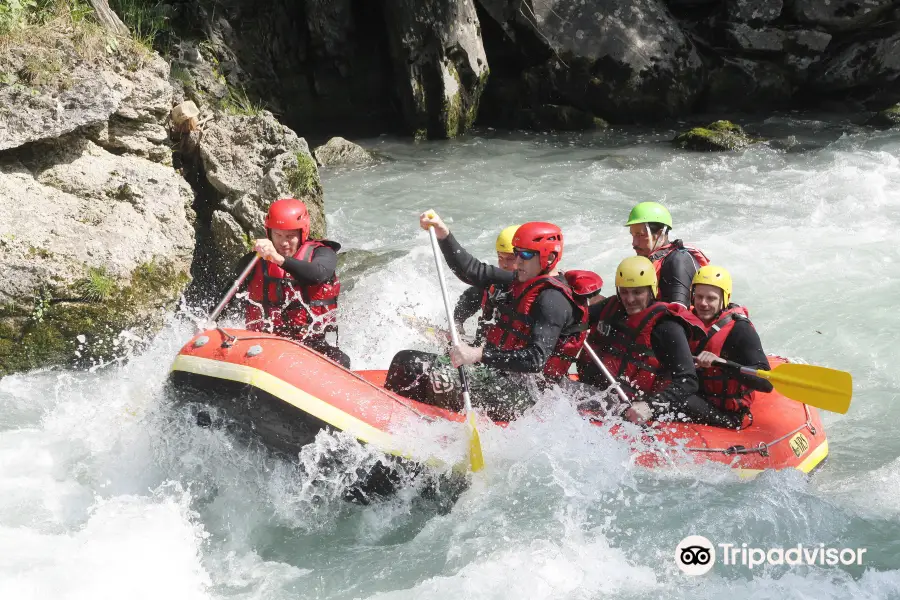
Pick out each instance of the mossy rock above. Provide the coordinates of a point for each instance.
(718, 136)
(80, 325)
(887, 118)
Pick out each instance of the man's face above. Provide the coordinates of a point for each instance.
(286, 241)
(506, 261)
(707, 302)
(635, 299)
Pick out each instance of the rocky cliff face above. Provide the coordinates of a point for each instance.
(99, 230)
(433, 68)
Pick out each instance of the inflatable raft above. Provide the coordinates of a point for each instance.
(286, 393)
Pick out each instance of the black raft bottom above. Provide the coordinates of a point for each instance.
(256, 416)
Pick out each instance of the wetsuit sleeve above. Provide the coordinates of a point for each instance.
(551, 312)
(675, 278)
(469, 269)
(744, 347)
(670, 345)
(468, 304)
(319, 270)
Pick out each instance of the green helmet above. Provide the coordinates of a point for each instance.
(649, 212)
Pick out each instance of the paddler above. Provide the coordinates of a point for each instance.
(293, 291)
(538, 332)
(731, 336)
(675, 261)
(644, 343)
(484, 300)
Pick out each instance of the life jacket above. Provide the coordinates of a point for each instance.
(512, 328)
(491, 297)
(659, 257)
(496, 295)
(716, 384)
(279, 304)
(623, 343)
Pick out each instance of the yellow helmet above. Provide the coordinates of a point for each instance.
(504, 240)
(716, 277)
(635, 272)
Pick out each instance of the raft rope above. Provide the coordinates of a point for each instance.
(229, 341)
(763, 447)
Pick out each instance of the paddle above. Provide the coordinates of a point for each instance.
(475, 456)
(211, 322)
(828, 389)
(612, 380)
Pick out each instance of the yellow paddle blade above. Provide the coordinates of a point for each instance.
(828, 389)
(475, 455)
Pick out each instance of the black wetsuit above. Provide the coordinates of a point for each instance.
(675, 277)
(318, 270)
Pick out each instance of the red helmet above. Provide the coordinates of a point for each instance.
(584, 283)
(543, 238)
(289, 213)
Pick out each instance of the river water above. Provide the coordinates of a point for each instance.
(107, 490)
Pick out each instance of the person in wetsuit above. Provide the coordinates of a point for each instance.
(539, 328)
(293, 291)
(676, 262)
(475, 299)
(730, 336)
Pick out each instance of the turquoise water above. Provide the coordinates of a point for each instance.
(105, 490)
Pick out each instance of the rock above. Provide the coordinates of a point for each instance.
(748, 85)
(721, 135)
(93, 243)
(867, 64)
(237, 151)
(339, 152)
(887, 118)
(550, 117)
(54, 91)
(124, 136)
(755, 11)
(439, 63)
(229, 238)
(197, 76)
(799, 42)
(624, 60)
(839, 15)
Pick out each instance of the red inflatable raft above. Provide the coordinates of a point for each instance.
(287, 393)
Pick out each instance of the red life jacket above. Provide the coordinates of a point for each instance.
(659, 257)
(623, 343)
(717, 385)
(279, 304)
(512, 328)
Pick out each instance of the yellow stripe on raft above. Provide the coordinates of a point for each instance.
(292, 395)
(808, 464)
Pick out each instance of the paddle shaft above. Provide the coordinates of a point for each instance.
(612, 380)
(233, 290)
(453, 335)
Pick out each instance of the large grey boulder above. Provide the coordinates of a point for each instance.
(93, 244)
(340, 152)
(866, 64)
(439, 63)
(621, 59)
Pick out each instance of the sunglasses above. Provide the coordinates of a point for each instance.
(525, 254)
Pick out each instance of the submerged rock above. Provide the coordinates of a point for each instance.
(718, 136)
(887, 118)
(340, 152)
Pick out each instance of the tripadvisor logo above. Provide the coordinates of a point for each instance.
(696, 555)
